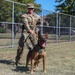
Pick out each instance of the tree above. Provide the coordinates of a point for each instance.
(19, 9)
(51, 19)
(66, 6)
(6, 10)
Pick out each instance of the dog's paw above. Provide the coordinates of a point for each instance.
(32, 72)
(45, 71)
(37, 68)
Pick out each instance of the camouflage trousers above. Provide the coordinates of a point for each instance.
(29, 40)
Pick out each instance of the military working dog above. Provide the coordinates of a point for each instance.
(38, 52)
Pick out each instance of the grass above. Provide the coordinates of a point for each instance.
(60, 60)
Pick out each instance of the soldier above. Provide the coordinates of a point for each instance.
(30, 21)
(30, 25)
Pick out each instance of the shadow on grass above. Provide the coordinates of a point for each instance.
(8, 62)
(22, 69)
(16, 69)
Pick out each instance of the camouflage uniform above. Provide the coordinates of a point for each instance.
(29, 22)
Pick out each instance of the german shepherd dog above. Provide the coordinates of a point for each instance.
(38, 52)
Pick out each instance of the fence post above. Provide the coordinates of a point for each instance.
(70, 28)
(12, 24)
(56, 27)
(42, 23)
(59, 25)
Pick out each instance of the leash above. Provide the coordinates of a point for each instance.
(27, 37)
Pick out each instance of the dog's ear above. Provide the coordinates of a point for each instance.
(39, 34)
(44, 36)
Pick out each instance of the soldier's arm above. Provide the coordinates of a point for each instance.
(25, 22)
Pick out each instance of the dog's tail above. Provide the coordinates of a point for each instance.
(29, 48)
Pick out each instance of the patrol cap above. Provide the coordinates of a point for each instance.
(30, 6)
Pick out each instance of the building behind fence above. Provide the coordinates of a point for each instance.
(58, 26)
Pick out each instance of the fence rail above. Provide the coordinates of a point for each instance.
(59, 27)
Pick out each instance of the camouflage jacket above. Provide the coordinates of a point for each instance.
(31, 21)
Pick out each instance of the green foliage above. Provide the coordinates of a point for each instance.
(63, 20)
(6, 10)
(51, 19)
(2, 30)
(66, 6)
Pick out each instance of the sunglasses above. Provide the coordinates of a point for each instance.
(31, 8)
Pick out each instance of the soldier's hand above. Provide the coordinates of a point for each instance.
(36, 35)
(33, 32)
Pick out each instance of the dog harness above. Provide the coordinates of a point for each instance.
(39, 49)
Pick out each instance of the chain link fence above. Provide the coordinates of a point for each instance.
(57, 27)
